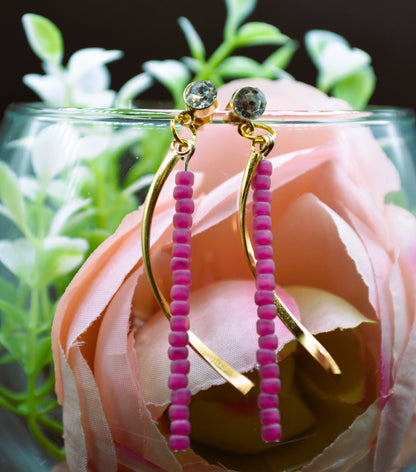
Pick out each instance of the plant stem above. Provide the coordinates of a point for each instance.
(218, 56)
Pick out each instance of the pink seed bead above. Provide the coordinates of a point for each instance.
(263, 252)
(179, 307)
(182, 191)
(175, 353)
(180, 366)
(267, 400)
(261, 182)
(178, 338)
(179, 412)
(177, 381)
(262, 222)
(270, 416)
(268, 341)
(265, 356)
(264, 297)
(181, 250)
(185, 205)
(182, 396)
(269, 371)
(263, 236)
(180, 427)
(264, 167)
(270, 386)
(271, 432)
(182, 220)
(181, 236)
(265, 282)
(267, 312)
(265, 266)
(179, 263)
(182, 277)
(261, 208)
(265, 327)
(262, 196)
(184, 177)
(179, 443)
(179, 323)
(180, 292)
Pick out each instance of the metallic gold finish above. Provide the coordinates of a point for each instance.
(181, 149)
(305, 338)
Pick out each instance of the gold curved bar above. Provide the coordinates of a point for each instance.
(239, 381)
(305, 338)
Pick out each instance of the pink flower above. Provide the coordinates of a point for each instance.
(346, 264)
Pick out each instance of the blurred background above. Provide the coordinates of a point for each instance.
(147, 30)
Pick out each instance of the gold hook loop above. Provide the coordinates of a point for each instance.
(181, 148)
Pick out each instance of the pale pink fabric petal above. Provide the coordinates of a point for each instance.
(97, 434)
(62, 467)
(395, 418)
(349, 446)
(131, 423)
(286, 95)
(403, 226)
(75, 444)
(314, 246)
(322, 312)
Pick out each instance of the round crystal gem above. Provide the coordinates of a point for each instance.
(249, 103)
(200, 94)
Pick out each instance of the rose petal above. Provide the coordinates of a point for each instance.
(132, 425)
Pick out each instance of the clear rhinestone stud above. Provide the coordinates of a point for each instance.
(249, 103)
(200, 94)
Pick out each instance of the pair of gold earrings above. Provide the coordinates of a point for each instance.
(247, 104)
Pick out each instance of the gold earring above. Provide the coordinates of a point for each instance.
(200, 98)
(248, 104)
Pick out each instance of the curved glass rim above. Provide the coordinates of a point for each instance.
(372, 115)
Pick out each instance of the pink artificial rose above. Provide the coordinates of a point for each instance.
(346, 265)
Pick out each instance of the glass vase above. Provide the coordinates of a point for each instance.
(68, 177)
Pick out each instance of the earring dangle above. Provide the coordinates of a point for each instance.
(248, 104)
(200, 98)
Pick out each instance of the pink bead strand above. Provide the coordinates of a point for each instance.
(268, 400)
(180, 425)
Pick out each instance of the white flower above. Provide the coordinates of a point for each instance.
(84, 82)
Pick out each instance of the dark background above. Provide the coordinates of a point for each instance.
(147, 30)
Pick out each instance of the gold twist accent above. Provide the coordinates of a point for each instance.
(261, 146)
(181, 149)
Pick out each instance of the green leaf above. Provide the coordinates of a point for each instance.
(44, 38)
(193, 64)
(19, 257)
(196, 46)
(14, 338)
(12, 314)
(240, 66)
(7, 291)
(174, 75)
(237, 12)
(65, 214)
(10, 194)
(334, 58)
(61, 255)
(282, 56)
(257, 33)
(357, 88)
(132, 88)
(43, 353)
